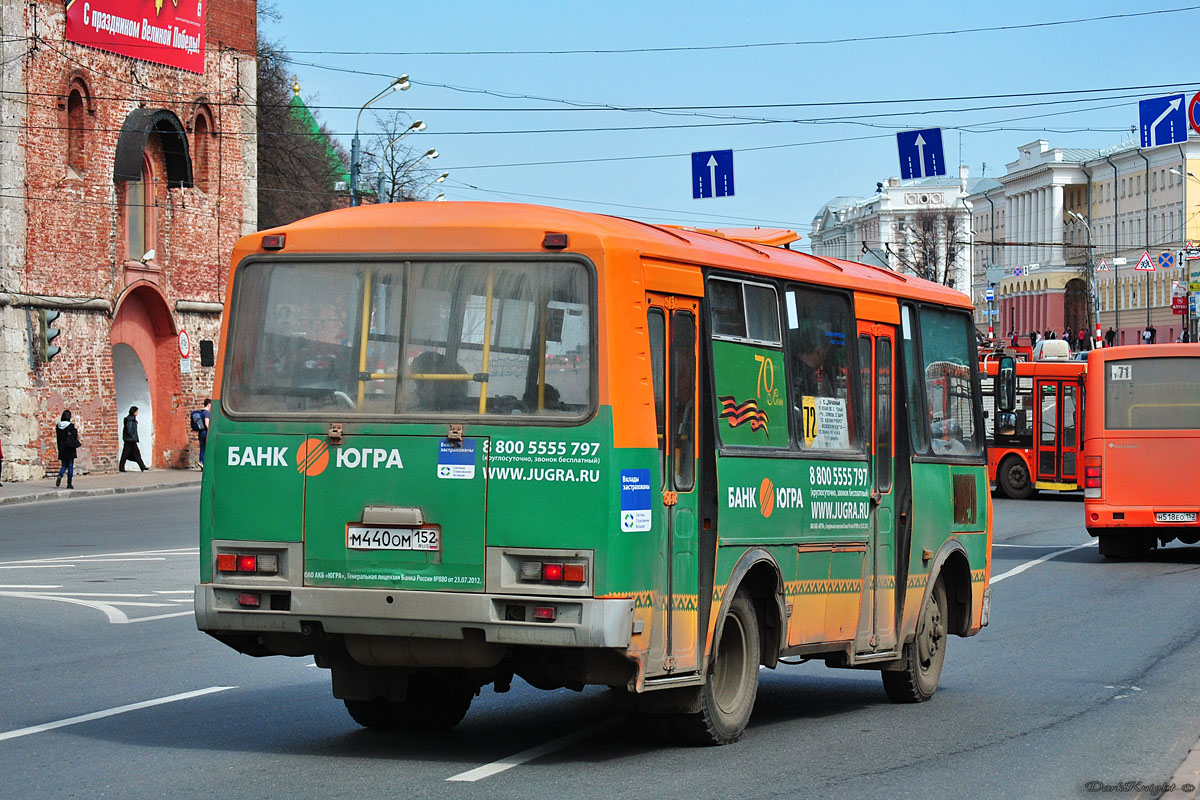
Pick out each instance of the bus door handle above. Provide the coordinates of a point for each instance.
(876, 497)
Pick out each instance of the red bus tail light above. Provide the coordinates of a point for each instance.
(1093, 477)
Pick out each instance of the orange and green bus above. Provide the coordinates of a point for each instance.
(1141, 447)
(457, 443)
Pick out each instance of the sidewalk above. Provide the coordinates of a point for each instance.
(99, 484)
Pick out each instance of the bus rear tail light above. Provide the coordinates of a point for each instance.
(536, 571)
(545, 613)
(248, 563)
(249, 600)
(1092, 477)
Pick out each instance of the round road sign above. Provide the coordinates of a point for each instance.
(1194, 112)
(185, 345)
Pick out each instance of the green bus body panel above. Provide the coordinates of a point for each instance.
(933, 511)
(751, 395)
(532, 487)
(794, 500)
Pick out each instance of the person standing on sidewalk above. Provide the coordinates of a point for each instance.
(206, 414)
(67, 436)
(129, 434)
(1, 462)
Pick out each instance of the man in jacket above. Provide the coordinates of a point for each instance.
(129, 434)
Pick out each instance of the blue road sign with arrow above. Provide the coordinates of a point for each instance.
(1163, 120)
(712, 174)
(921, 153)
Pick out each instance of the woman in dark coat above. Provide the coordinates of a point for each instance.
(129, 434)
(68, 447)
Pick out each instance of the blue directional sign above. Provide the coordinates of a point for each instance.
(712, 174)
(1163, 120)
(921, 153)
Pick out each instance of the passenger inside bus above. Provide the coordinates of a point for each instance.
(432, 394)
(811, 369)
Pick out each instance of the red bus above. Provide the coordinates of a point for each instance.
(1039, 447)
(1142, 447)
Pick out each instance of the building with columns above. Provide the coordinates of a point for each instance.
(1062, 212)
(916, 226)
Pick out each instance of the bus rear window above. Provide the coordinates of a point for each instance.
(436, 339)
(1152, 394)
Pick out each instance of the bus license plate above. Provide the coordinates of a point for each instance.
(374, 537)
(1175, 516)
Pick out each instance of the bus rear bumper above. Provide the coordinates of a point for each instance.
(502, 619)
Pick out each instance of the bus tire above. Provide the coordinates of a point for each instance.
(375, 714)
(924, 655)
(731, 685)
(432, 704)
(1014, 479)
(1124, 545)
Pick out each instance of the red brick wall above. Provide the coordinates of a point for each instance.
(75, 234)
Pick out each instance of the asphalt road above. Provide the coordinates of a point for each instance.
(1087, 673)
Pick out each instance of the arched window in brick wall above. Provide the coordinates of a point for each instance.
(76, 110)
(140, 233)
(202, 142)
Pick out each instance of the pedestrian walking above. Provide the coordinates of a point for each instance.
(129, 434)
(1110, 336)
(1145, 336)
(206, 413)
(67, 439)
(1033, 338)
(1, 462)
(1068, 338)
(1085, 341)
(1153, 334)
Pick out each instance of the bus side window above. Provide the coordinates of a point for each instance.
(656, 327)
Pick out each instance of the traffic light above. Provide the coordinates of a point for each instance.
(47, 334)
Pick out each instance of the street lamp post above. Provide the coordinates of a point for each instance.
(402, 84)
(1093, 299)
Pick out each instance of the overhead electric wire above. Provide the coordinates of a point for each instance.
(750, 45)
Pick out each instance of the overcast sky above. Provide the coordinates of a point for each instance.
(497, 112)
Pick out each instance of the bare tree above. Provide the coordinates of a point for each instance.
(299, 163)
(929, 245)
(395, 162)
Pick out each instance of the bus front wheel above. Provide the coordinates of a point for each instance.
(924, 655)
(727, 697)
(1014, 478)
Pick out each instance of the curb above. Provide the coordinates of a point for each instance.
(1188, 775)
(63, 494)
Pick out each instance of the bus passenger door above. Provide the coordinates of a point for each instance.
(672, 324)
(877, 617)
(1057, 437)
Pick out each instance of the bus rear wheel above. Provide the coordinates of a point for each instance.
(375, 714)
(1124, 545)
(924, 655)
(433, 703)
(727, 697)
(1014, 479)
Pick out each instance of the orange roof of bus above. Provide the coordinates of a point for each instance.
(510, 227)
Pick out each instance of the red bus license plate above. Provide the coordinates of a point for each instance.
(375, 537)
(1175, 516)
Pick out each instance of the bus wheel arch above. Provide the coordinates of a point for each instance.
(954, 572)
(1014, 478)
(759, 575)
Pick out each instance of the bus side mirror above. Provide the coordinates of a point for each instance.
(1007, 383)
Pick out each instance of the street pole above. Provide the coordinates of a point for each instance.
(402, 84)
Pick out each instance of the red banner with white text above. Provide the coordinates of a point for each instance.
(167, 32)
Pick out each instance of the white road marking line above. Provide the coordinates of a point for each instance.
(168, 552)
(1027, 546)
(30, 586)
(174, 591)
(508, 762)
(1017, 570)
(158, 616)
(62, 723)
(37, 566)
(110, 610)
